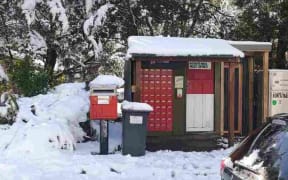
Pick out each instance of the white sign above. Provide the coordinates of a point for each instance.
(279, 80)
(199, 65)
(136, 120)
(179, 81)
(103, 100)
(278, 94)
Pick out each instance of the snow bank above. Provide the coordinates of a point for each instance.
(176, 46)
(136, 106)
(107, 80)
(54, 124)
(3, 75)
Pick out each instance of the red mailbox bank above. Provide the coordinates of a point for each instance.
(103, 104)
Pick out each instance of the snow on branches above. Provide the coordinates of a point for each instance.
(92, 24)
(37, 43)
(56, 9)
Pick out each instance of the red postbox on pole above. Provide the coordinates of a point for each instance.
(103, 103)
(103, 107)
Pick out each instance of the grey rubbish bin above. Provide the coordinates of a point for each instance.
(134, 128)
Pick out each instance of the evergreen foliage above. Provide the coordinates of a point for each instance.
(29, 79)
(265, 21)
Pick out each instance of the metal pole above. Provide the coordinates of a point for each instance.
(104, 134)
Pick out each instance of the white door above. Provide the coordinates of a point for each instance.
(199, 112)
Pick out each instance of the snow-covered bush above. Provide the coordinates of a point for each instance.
(47, 123)
(8, 108)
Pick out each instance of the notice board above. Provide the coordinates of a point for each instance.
(278, 91)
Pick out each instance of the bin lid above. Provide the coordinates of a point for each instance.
(136, 106)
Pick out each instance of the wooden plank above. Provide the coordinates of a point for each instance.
(222, 99)
(265, 85)
(128, 81)
(200, 111)
(179, 109)
(193, 111)
(235, 132)
(208, 112)
(138, 81)
(231, 93)
(217, 97)
(240, 98)
(251, 92)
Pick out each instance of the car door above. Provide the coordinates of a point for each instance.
(267, 157)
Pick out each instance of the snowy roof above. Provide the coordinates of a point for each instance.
(251, 45)
(107, 81)
(177, 46)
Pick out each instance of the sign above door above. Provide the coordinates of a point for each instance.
(199, 65)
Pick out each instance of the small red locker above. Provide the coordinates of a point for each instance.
(103, 104)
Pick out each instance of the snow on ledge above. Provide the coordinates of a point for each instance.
(177, 46)
(136, 106)
(107, 80)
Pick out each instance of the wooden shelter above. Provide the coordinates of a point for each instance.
(195, 87)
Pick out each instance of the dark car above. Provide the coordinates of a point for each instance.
(261, 155)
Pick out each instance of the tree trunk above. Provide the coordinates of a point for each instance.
(50, 61)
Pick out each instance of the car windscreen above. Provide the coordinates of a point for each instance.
(268, 153)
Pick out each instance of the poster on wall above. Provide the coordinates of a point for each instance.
(278, 91)
(179, 81)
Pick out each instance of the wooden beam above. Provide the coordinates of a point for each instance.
(265, 85)
(231, 107)
(222, 99)
(138, 74)
(186, 58)
(218, 100)
(240, 98)
(251, 93)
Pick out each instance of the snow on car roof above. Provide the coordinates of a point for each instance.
(178, 46)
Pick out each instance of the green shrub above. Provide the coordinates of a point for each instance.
(29, 79)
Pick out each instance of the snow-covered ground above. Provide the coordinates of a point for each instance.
(84, 166)
(46, 145)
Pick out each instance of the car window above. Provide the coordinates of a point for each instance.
(268, 153)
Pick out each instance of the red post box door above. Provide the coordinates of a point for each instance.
(156, 90)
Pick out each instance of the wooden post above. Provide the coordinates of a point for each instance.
(138, 74)
(240, 98)
(222, 99)
(231, 107)
(265, 85)
(251, 92)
